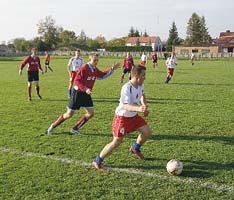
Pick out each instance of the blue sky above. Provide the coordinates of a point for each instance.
(112, 18)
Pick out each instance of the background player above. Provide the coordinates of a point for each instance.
(171, 62)
(34, 66)
(154, 58)
(73, 65)
(127, 66)
(47, 62)
(143, 59)
(81, 95)
(192, 58)
(126, 119)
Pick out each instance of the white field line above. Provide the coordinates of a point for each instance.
(188, 181)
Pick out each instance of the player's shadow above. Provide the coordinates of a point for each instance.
(203, 169)
(224, 139)
(176, 100)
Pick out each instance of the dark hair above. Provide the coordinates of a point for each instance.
(137, 69)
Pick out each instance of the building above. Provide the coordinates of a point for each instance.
(226, 42)
(198, 50)
(154, 42)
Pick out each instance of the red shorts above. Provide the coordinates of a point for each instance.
(121, 126)
(170, 71)
(72, 76)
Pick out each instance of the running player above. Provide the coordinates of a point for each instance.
(81, 94)
(171, 62)
(127, 66)
(47, 61)
(126, 119)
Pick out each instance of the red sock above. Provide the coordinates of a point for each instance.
(60, 120)
(80, 123)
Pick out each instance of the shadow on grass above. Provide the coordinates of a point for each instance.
(157, 100)
(198, 84)
(224, 139)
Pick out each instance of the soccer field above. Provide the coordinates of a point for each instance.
(192, 119)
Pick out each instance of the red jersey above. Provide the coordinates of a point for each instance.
(154, 57)
(86, 76)
(33, 63)
(47, 57)
(128, 63)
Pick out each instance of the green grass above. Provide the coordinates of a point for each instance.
(192, 120)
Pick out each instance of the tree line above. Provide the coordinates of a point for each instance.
(53, 37)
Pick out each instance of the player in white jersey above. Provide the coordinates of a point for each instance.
(171, 62)
(126, 119)
(73, 65)
(192, 58)
(144, 59)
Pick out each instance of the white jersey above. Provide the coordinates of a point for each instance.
(75, 63)
(144, 58)
(129, 95)
(192, 56)
(171, 62)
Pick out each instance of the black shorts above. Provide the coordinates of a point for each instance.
(155, 61)
(126, 70)
(33, 76)
(78, 100)
(47, 62)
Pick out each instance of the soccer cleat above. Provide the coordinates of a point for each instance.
(29, 99)
(50, 130)
(39, 96)
(98, 166)
(138, 154)
(74, 132)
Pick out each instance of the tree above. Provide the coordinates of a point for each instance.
(131, 32)
(117, 42)
(82, 38)
(102, 41)
(49, 32)
(67, 38)
(206, 38)
(173, 38)
(21, 44)
(145, 34)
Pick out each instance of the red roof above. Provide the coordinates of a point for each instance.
(224, 41)
(142, 39)
(222, 34)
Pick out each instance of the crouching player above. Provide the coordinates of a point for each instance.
(126, 119)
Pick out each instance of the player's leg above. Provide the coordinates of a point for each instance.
(29, 90)
(49, 67)
(88, 115)
(71, 80)
(37, 88)
(60, 120)
(145, 133)
(106, 151)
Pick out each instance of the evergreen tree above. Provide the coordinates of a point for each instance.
(131, 32)
(197, 32)
(206, 38)
(173, 38)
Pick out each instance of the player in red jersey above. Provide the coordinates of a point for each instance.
(47, 61)
(127, 66)
(34, 66)
(126, 119)
(81, 94)
(155, 59)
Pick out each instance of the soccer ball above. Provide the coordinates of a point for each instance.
(174, 167)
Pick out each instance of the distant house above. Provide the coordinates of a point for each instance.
(154, 42)
(226, 42)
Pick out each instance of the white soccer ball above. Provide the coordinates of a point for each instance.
(174, 167)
